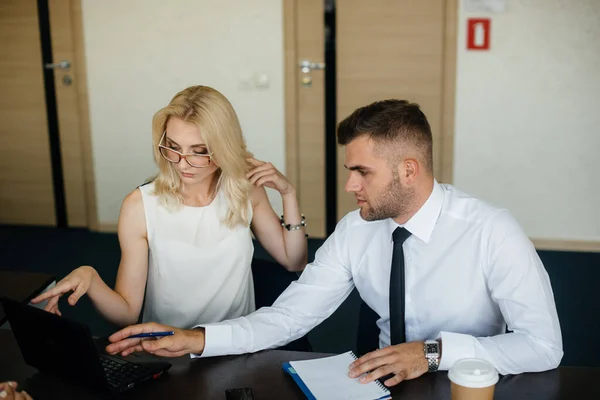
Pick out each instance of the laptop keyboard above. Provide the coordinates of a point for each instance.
(120, 372)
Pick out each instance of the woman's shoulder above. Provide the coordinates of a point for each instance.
(146, 188)
(132, 220)
(133, 200)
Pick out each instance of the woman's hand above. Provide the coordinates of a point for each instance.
(265, 174)
(8, 391)
(78, 281)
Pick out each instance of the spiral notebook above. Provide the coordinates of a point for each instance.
(327, 378)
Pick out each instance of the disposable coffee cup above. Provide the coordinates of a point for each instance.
(472, 379)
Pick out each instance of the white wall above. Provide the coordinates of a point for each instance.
(140, 53)
(528, 116)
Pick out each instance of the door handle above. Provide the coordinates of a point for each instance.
(59, 65)
(306, 66)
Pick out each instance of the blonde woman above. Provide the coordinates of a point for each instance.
(186, 236)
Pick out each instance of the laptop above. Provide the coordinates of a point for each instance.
(66, 348)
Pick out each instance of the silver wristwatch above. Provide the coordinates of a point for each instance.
(432, 354)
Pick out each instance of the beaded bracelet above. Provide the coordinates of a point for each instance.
(296, 227)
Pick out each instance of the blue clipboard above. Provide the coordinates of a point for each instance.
(290, 370)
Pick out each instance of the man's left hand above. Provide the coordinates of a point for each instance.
(405, 361)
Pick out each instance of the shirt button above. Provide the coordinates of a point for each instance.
(408, 298)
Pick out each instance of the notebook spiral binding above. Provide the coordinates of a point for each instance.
(381, 385)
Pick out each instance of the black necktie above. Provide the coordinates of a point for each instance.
(397, 333)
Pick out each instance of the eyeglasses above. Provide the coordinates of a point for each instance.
(193, 159)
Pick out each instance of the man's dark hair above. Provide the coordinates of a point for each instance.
(390, 121)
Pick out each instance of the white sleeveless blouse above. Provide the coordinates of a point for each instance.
(198, 268)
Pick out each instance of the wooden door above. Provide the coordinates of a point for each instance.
(26, 194)
(305, 108)
(29, 179)
(394, 49)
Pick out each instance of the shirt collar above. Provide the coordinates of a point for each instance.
(422, 223)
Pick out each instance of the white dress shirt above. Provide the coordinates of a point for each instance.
(470, 272)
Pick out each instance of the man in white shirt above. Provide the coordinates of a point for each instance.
(467, 269)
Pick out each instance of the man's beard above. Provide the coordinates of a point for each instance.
(393, 201)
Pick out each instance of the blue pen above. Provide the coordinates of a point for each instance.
(151, 334)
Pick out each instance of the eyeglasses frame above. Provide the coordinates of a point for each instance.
(182, 155)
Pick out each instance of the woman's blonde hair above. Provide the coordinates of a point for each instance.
(220, 128)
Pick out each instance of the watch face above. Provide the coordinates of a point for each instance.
(432, 347)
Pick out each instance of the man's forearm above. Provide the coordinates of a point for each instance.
(510, 353)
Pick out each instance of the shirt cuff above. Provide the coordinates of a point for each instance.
(455, 346)
(217, 341)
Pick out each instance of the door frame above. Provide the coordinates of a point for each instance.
(80, 74)
(449, 90)
(290, 78)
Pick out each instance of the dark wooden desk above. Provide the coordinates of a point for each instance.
(22, 286)
(208, 379)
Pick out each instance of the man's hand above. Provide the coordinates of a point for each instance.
(184, 341)
(405, 361)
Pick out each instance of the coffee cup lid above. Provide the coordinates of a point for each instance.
(473, 373)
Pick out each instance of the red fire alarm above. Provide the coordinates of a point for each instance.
(478, 34)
